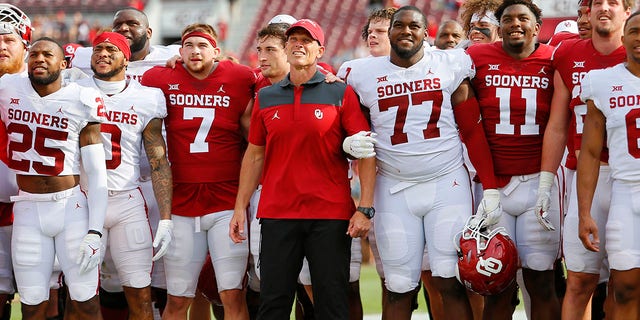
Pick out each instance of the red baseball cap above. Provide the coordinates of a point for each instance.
(311, 26)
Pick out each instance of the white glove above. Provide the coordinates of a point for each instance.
(360, 145)
(541, 209)
(89, 256)
(489, 208)
(164, 235)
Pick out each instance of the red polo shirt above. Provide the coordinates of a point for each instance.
(302, 129)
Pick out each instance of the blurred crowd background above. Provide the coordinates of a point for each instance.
(78, 21)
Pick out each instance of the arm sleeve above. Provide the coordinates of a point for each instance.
(467, 116)
(93, 160)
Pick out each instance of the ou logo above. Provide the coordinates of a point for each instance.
(489, 266)
(318, 113)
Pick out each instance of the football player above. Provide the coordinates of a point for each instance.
(15, 36)
(612, 113)
(207, 107)
(572, 59)
(53, 217)
(514, 86)
(417, 100)
(133, 118)
(133, 24)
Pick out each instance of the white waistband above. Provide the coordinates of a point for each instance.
(54, 196)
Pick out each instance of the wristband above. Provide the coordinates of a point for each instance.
(91, 231)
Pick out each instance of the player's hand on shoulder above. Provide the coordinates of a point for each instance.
(360, 145)
(331, 78)
(173, 61)
(489, 209)
(163, 237)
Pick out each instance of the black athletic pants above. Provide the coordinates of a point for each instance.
(283, 245)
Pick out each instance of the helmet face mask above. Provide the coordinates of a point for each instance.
(13, 20)
(487, 259)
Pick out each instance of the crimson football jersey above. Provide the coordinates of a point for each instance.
(515, 99)
(573, 59)
(204, 140)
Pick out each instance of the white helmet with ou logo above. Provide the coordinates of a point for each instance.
(12, 20)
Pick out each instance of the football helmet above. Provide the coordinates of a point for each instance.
(487, 259)
(13, 19)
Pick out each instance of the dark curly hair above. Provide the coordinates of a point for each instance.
(382, 14)
(476, 6)
(528, 3)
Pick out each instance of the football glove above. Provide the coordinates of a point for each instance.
(541, 210)
(360, 145)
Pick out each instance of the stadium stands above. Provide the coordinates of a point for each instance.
(342, 21)
(69, 6)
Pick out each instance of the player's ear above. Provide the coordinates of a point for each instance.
(149, 33)
(320, 52)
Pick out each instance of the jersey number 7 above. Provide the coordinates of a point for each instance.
(403, 103)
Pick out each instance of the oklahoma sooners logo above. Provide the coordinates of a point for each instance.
(489, 266)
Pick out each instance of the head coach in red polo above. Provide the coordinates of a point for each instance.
(297, 130)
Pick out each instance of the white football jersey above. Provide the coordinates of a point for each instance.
(157, 56)
(411, 111)
(127, 114)
(614, 91)
(44, 131)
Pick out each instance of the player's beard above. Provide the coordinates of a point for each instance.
(406, 53)
(51, 78)
(138, 43)
(603, 31)
(12, 66)
(197, 69)
(109, 74)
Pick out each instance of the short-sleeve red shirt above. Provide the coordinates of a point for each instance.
(302, 129)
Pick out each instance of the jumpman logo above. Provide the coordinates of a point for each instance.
(93, 250)
(130, 196)
(221, 89)
(78, 206)
(59, 110)
(275, 115)
(455, 183)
